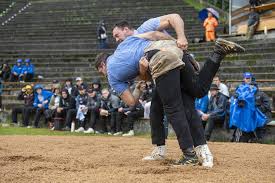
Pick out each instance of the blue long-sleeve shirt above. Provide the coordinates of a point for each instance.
(202, 103)
(39, 99)
(29, 69)
(17, 69)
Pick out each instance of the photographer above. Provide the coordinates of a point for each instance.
(250, 110)
(25, 94)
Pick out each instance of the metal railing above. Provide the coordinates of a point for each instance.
(4, 12)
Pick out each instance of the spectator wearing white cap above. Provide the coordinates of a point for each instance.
(79, 83)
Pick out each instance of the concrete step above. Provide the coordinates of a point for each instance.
(253, 69)
(248, 63)
(238, 75)
(77, 25)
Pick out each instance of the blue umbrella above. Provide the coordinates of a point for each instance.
(203, 14)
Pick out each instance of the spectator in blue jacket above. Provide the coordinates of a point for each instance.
(216, 110)
(201, 105)
(41, 103)
(16, 72)
(250, 111)
(28, 71)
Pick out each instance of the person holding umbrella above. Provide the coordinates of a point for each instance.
(210, 25)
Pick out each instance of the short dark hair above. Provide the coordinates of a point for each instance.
(217, 76)
(122, 24)
(101, 58)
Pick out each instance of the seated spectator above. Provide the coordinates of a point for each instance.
(16, 72)
(54, 103)
(108, 111)
(252, 23)
(81, 108)
(96, 85)
(210, 25)
(66, 103)
(216, 110)
(5, 71)
(28, 71)
(131, 114)
(1, 87)
(250, 111)
(222, 87)
(69, 86)
(79, 83)
(201, 105)
(146, 98)
(254, 3)
(93, 109)
(41, 103)
(27, 95)
(273, 101)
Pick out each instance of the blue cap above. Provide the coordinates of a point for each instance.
(19, 60)
(38, 86)
(27, 60)
(247, 75)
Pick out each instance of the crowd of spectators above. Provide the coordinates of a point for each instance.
(247, 111)
(84, 108)
(80, 108)
(22, 71)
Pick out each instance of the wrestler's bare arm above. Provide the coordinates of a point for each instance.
(131, 99)
(155, 36)
(128, 98)
(143, 69)
(174, 21)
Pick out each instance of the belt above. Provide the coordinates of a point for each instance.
(149, 54)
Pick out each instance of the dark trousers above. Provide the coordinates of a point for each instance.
(194, 121)
(27, 110)
(15, 112)
(38, 113)
(108, 123)
(5, 75)
(210, 125)
(0, 101)
(28, 77)
(132, 117)
(195, 84)
(167, 98)
(15, 78)
(93, 116)
(70, 116)
(192, 85)
(120, 120)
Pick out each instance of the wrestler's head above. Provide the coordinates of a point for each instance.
(122, 30)
(100, 63)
